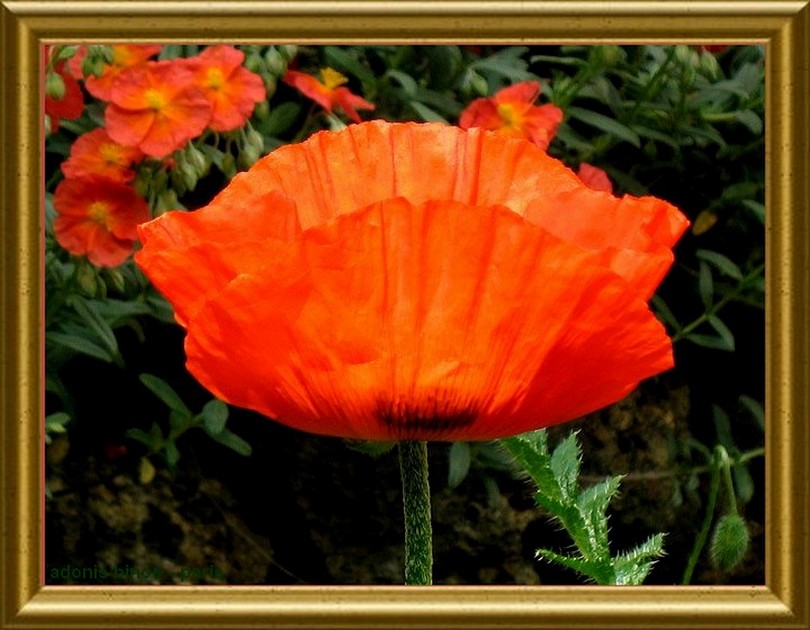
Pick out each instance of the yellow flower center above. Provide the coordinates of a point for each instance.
(109, 153)
(214, 78)
(512, 119)
(99, 212)
(154, 99)
(332, 78)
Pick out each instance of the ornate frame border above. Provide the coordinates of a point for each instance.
(783, 26)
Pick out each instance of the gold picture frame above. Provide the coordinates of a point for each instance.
(783, 26)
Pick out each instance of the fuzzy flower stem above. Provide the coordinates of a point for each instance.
(413, 465)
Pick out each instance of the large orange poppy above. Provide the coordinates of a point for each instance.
(416, 281)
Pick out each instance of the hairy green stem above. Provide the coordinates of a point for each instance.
(700, 542)
(413, 464)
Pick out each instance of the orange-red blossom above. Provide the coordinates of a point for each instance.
(511, 111)
(416, 281)
(329, 92)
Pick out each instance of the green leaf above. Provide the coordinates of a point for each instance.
(599, 574)
(341, 60)
(723, 331)
(55, 422)
(750, 120)
(709, 341)
(722, 426)
(233, 442)
(720, 262)
(163, 390)
(705, 284)
(664, 313)
(592, 504)
(214, 416)
(95, 321)
(80, 345)
(631, 568)
(280, 119)
(756, 207)
(755, 409)
(530, 450)
(506, 63)
(425, 113)
(372, 448)
(603, 123)
(171, 453)
(407, 82)
(459, 459)
(743, 483)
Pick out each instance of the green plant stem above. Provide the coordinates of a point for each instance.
(413, 464)
(715, 308)
(700, 541)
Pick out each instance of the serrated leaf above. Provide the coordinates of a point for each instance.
(598, 573)
(723, 331)
(565, 466)
(530, 450)
(705, 284)
(459, 458)
(606, 124)
(164, 391)
(721, 263)
(214, 416)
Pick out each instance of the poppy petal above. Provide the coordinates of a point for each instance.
(421, 322)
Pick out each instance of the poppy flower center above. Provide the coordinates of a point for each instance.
(154, 99)
(99, 212)
(214, 78)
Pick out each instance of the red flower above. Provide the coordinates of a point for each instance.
(232, 90)
(94, 153)
(328, 93)
(69, 105)
(512, 112)
(595, 178)
(124, 56)
(156, 107)
(98, 218)
(337, 289)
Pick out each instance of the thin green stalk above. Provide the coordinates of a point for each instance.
(700, 541)
(413, 465)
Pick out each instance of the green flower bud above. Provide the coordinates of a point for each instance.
(479, 84)
(228, 165)
(198, 160)
(189, 176)
(159, 181)
(729, 542)
(141, 183)
(275, 61)
(54, 86)
(253, 62)
(255, 141)
(86, 279)
(248, 157)
(115, 279)
(289, 51)
(166, 201)
(262, 110)
(709, 66)
(611, 55)
(270, 83)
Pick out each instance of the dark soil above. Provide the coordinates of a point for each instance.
(308, 510)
